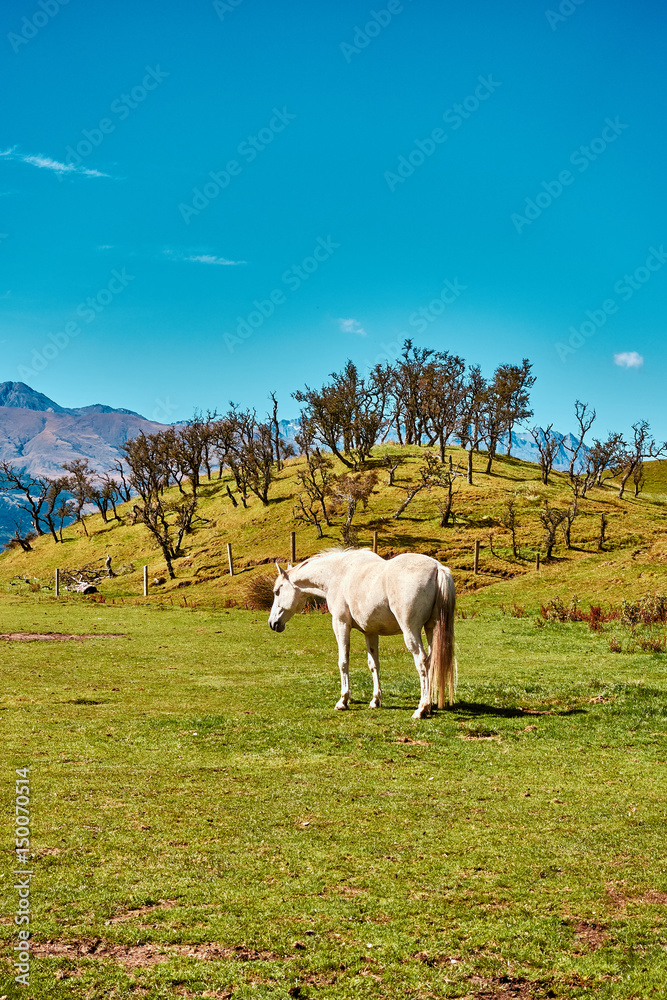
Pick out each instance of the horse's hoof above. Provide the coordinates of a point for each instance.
(421, 713)
(375, 703)
(341, 705)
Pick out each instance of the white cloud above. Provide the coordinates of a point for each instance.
(352, 326)
(628, 359)
(47, 163)
(201, 258)
(209, 258)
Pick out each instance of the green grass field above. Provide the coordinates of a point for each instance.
(205, 824)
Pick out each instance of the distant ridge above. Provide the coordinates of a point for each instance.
(21, 396)
(39, 436)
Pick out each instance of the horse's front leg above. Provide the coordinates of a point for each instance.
(413, 641)
(342, 633)
(373, 647)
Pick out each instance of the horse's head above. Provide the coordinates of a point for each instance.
(287, 600)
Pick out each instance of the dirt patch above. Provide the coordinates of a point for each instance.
(621, 898)
(411, 742)
(506, 987)
(56, 636)
(590, 936)
(144, 955)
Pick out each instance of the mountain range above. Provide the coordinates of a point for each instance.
(39, 436)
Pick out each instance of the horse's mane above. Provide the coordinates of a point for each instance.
(335, 550)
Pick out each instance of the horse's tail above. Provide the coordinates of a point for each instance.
(443, 661)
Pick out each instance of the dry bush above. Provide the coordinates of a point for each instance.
(648, 610)
(515, 610)
(556, 610)
(650, 644)
(258, 593)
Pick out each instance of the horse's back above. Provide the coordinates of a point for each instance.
(384, 596)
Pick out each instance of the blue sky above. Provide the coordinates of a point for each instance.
(206, 202)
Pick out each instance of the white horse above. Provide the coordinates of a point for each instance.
(378, 597)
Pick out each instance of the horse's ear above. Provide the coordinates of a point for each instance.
(289, 566)
(280, 570)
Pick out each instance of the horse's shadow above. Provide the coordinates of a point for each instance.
(471, 709)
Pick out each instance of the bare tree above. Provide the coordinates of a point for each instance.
(80, 484)
(22, 538)
(32, 488)
(64, 511)
(572, 511)
(281, 449)
(642, 446)
(516, 383)
(443, 479)
(551, 520)
(106, 492)
(547, 445)
(471, 414)
(347, 414)
(124, 487)
(585, 419)
(408, 377)
(442, 391)
(605, 459)
(506, 403)
(393, 463)
(148, 457)
(350, 490)
(316, 482)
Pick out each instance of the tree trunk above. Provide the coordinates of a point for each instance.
(623, 482)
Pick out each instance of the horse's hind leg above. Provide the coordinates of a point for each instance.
(342, 632)
(373, 647)
(413, 641)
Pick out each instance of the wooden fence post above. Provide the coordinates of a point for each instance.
(375, 541)
(57, 583)
(292, 547)
(537, 562)
(476, 563)
(145, 581)
(230, 558)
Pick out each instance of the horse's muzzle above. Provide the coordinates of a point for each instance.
(277, 626)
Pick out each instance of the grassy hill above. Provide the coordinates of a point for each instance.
(633, 562)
